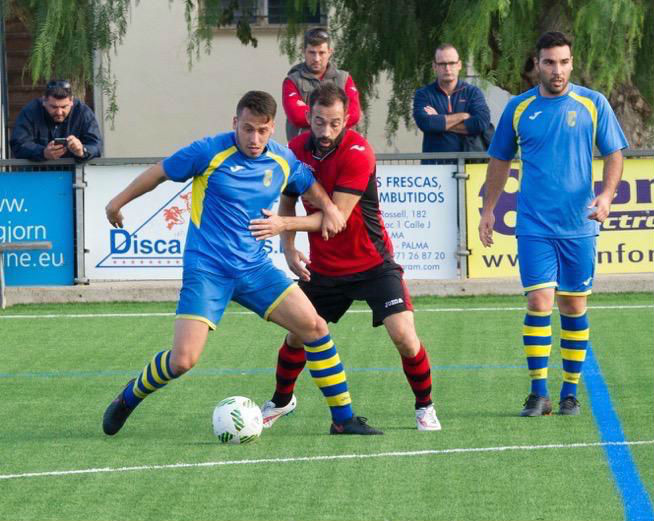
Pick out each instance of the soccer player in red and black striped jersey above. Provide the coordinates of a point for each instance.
(356, 264)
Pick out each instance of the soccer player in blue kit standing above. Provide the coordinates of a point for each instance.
(235, 175)
(555, 126)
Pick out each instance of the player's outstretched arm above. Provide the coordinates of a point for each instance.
(333, 221)
(285, 223)
(273, 224)
(345, 202)
(496, 176)
(145, 182)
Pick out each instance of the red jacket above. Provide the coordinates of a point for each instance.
(295, 100)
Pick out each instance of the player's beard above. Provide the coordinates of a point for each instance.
(548, 85)
(325, 145)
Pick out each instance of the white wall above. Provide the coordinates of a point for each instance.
(163, 105)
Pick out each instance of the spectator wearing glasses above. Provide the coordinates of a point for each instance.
(449, 110)
(56, 125)
(304, 77)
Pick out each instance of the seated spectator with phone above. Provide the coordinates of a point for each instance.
(56, 125)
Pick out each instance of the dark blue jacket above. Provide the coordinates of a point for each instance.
(465, 98)
(35, 128)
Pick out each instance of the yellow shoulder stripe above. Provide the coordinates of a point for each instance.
(590, 106)
(285, 167)
(522, 106)
(200, 184)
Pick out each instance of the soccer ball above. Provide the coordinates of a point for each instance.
(237, 420)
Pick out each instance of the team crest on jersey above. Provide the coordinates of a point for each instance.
(267, 177)
(572, 118)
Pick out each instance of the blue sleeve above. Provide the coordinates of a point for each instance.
(425, 122)
(187, 162)
(505, 142)
(91, 137)
(479, 112)
(299, 180)
(610, 137)
(23, 143)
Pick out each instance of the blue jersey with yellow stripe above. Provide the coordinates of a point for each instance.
(555, 136)
(230, 189)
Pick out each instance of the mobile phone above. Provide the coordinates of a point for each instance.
(60, 141)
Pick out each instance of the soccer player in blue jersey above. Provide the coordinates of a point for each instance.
(235, 175)
(555, 125)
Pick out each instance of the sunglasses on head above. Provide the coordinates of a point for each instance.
(58, 84)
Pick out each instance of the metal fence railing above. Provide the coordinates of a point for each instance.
(460, 159)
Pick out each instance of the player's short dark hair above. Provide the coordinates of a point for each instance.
(552, 39)
(317, 36)
(259, 103)
(58, 89)
(326, 94)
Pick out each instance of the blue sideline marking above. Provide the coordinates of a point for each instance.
(637, 504)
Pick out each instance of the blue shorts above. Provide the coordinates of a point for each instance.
(565, 264)
(205, 295)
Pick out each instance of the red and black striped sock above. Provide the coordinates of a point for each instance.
(290, 363)
(418, 374)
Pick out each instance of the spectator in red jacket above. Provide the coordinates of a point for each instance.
(304, 77)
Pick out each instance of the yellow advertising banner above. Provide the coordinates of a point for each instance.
(626, 240)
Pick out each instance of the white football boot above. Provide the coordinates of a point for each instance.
(271, 413)
(426, 419)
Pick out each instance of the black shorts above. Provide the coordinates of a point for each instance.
(383, 288)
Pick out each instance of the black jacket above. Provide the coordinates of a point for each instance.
(35, 128)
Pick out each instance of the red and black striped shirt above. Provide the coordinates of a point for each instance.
(349, 167)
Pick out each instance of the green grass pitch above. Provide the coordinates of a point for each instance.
(58, 374)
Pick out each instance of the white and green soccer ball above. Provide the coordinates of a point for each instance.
(237, 420)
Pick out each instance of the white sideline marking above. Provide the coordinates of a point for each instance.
(322, 458)
(417, 310)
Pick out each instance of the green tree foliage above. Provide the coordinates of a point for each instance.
(204, 16)
(613, 43)
(67, 34)
(644, 77)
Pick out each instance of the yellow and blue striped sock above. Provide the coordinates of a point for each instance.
(154, 376)
(574, 342)
(537, 340)
(327, 372)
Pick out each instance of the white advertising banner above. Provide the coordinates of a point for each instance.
(151, 244)
(418, 206)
